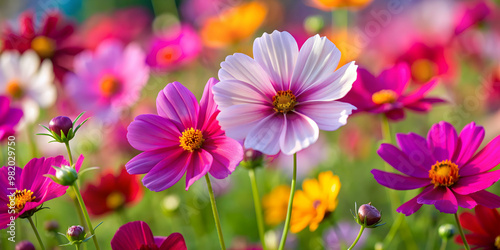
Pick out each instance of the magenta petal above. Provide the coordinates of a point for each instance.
(397, 181)
(174, 241)
(145, 161)
(159, 240)
(396, 114)
(227, 154)
(208, 107)
(419, 95)
(150, 132)
(442, 198)
(465, 201)
(417, 150)
(401, 162)
(442, 139)
(395, 78)
(265, 136)
(176, 102)
(469, 141)
(298, 133)
(132, 236)
(199, 165)
(168, 171)
(486, 199)
(483, 161)
(329, 115)
(473, 183)
(412, 206)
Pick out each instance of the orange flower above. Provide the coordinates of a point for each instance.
(344, 40)
(233, 25)
(317, 199)
(328, 5)
(275, 205)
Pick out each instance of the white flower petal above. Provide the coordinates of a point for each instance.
(298, 133)
(328, 115)
(265, 136)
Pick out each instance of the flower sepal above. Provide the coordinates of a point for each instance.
(65, 175)
(76, 235)
(367, 216)
(63, 133)
(31, 212)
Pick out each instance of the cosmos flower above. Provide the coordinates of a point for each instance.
(52, 40)
(275, 205)
(113, 192)
(174, 49)
(316, 200)
(483, 227)
(446, 167)
(233, 25)
(385, 93)
(471, 13)
(328, 5)
(280, 99)
(108, 80)
(137, 235)
(32, 188)
(184, 138)
(27, 82)
(9, 117)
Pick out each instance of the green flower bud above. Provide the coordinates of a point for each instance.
(65, 175)
(447, 231)
(76, 233)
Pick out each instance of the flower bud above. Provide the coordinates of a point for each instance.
(61, 123)
(447, 231)
(76, 233)
(25, 245)
(252, 159)
(51, 226)
(65, 175)
(368, 214)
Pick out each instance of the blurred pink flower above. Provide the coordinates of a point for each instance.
(174, 49)
(108, 80)
(9, 117)
(138, 235)
(471, 14)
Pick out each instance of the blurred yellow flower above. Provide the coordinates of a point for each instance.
(328, 5)
(275, 205)
(233, 25)
(344, 40)
(314, 202)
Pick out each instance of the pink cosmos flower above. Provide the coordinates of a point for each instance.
(32, 188)
(184, 138)
(108, 80)
(9, 117)
(471, 14)
(385, 93)
(177, 47)
(280, 99)
(445, 166)
(137, 235)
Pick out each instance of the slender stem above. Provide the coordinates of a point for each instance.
(443, 244)
(216, 214)
(258, 207)
(32, 142)
(394, 229)
(69, 153)
(36, 233)
(357, 238)
(386, 130)
(466, 245)
(86, 214)
(77, 246)
(78, 210)
(290, 203)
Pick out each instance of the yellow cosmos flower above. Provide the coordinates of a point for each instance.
(328, 5)
(233, 25)
(317, 199)
(275, 205)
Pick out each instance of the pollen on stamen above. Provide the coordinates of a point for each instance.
(284, 101)
(444, 173)
(21, 197)
(191, 139)
(384, 96)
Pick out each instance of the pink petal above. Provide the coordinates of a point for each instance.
(412, 206)
(168, 171)
(233, 92)
(397, 181)
(174, 241)
(442, 139)
(401, 162)
(483, 161)
(227, 154)
(420, 93)
(359, 96)
(417, 150)
(277, 54)
(150, 132)
(473, 183)
(239, 120)
(177, 103)
(200, 164)
(265, 136)
(465, 201)
(145, 161)
(328, 115)
(299, 132)
(442, 198)
(208, 109)
(132, 236)
(395, 78)
(486, 199)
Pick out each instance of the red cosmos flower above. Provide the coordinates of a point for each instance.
(51, 40)
(113, 192)
(485, 232)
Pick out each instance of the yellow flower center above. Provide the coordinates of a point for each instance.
(43, 46)
(384, 96)
(423, 70)
(191, 139)
(497, 242)
(14, 89)
(284, 101)
(20, 199)
(168, 54)
(109, 86)
(115, 200)
(444, 173)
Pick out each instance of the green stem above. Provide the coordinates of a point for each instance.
(466, 245)
(357, 238)
(78, 210)
(36, 233)
(77, 246)
(258, 207)
(32, 142)
(86, 214)
(290, 203)
(69, 153)
(386, 130)
(216, 214)
(443, 244)
(394, 229)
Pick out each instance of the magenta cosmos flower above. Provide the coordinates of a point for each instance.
(108, 80)
(280, 99)
(9, 117)
(31, 187)
(137, 235)
(445, 166)
(184, 137)
(52, 39)
(385, 93)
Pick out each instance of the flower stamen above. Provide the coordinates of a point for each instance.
(284, 101)
(115, 200)
(444, 173)
(14, 89)
(109, 86)
(191, 139)
(384, 96)
(43, 46)
(168, 54)
(497, 242)
(21, 197)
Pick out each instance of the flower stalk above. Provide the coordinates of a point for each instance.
(216, 214)
(36, 233)
(290, 203)
(85, 214)
(357, 238)
(461, 231)
(258, 207)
